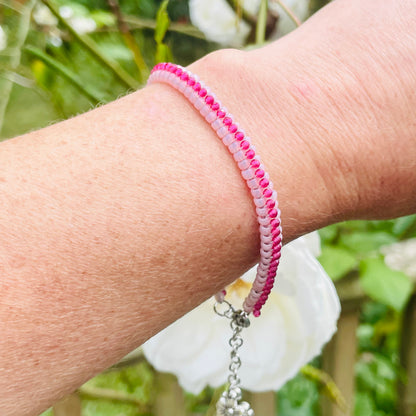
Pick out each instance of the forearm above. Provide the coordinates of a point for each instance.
(119, 221)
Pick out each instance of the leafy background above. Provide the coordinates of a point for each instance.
(50, 72)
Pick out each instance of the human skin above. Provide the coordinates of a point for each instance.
(121, 220)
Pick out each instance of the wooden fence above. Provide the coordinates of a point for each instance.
(339, 359)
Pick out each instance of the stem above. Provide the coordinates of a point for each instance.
(245, 15)
(183, 28)
(91, 46)
(261, 23)
(112, 395)
(6, 85)
(129, 39)
(289, 12)
(65, 73)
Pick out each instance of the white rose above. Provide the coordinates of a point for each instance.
(3, 39)
(219, 23)
(298, 319)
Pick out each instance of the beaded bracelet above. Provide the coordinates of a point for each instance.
(268, 215)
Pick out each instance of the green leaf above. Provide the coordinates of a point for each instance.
(162, 22)
(391, 287)
(337, 262)
(402, 224)
(366, 242)
(364, 405)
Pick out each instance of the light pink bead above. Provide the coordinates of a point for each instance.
(228, 139)
(239, 156)
(248, 174)
(244, 164)
(222, 131)
(234, 147)
(216, 124)
(211, 116)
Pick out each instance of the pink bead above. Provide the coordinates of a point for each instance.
(232, 128)
(270, 203)
(276, 232)
(178, 72)
(267, 193)
(255, 163)
(220, 114)
(259, 173)
(239, 135)
(273, 213)
(215, 106)
(264, 183)
(184, 77)
(250, 154)
(227, 121)
(256, 313)
(172, 69)
(209, 99)
(277, 240)
(245, 145)
(191, 82)
(197, 87)
(274, 223)
(202, 92)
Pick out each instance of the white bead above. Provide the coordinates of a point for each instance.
(182, 86)
(188, 92)
(261, 212)
(265, 254)
(247, 174)
(255, 192)
(259, 202)
(244, 164)
(199, 103)
(263, 220)
(205, 110)
(234, 147)
(216, 124)
(222, 131)
(228, 139)
(210, 117)
(239, 156)
(252, 183)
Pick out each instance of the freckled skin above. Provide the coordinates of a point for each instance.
(119, 221)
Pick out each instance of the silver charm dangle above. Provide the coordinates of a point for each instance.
(230, 403)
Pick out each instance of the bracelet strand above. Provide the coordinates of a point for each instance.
(252, 170)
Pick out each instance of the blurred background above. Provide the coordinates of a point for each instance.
(59, 58)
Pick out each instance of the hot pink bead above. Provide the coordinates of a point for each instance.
(172, 69)
(227, 121)
(267, 193)
(264, 183)
(209, 99)
(274, 223)
(244, 144)
(277, 240)
(191, 82)
(276, 232)
(239, 135)
(178, 72)
(256, 313)
(215, 106)
(202, 92)
(273, 213)
(232, 128)
(255, 163)
(259, 173)
(277, 255)
(250, 154)
(197, 86)
(220, 114)
(184, 77)
(270, 203)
